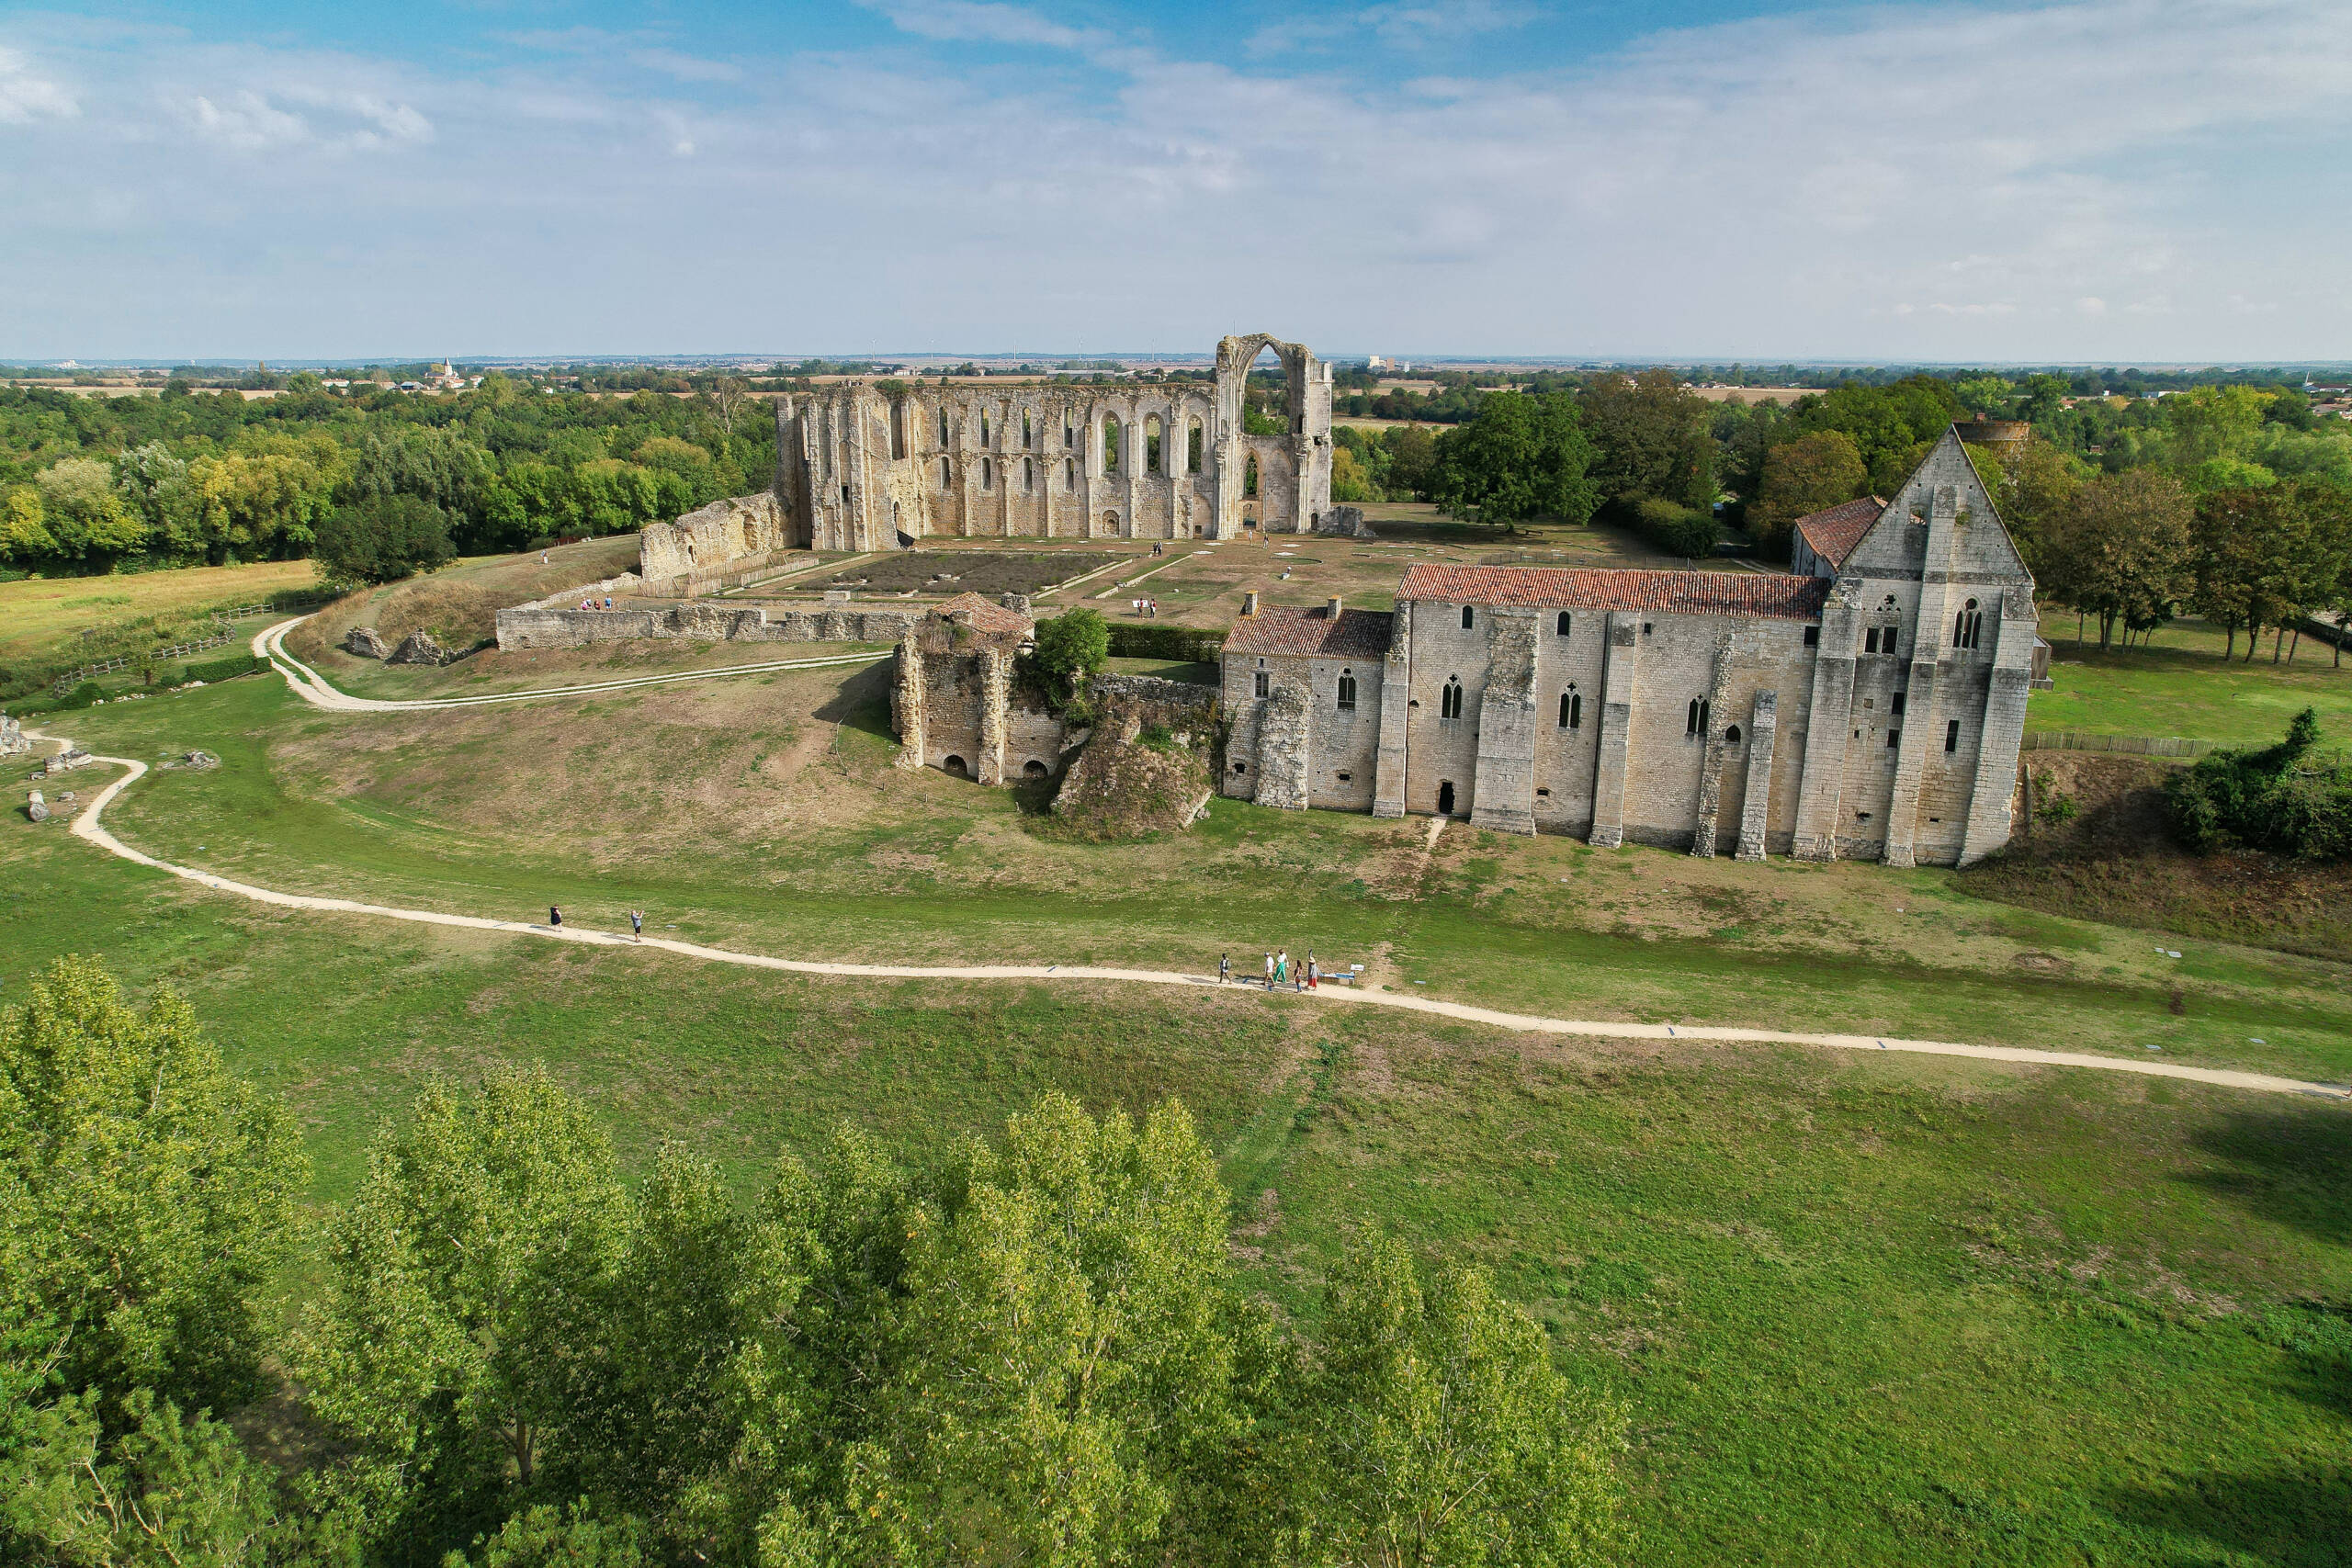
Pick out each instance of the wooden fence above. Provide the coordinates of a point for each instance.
(227, 634)
(2130, 745)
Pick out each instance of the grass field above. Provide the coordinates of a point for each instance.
(40, 616)
(2179, 685)
(1862, 1309)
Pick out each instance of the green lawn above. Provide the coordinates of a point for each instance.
(2178, 684)
(1861, 1308)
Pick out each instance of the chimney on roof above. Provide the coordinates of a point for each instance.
(1248, 603)
(1331, 608)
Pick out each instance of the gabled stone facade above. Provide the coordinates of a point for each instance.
(1872, 707)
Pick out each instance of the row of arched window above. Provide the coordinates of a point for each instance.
(1156, 456)
(987, 475)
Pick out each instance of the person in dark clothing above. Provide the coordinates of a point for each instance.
(555, 916)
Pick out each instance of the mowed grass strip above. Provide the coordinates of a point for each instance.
(1858, 1309)
(42, 617)
(2179, 685)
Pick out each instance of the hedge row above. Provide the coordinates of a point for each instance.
(227, 668)
(1131, 640)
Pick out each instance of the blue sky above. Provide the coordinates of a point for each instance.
(2100, 180)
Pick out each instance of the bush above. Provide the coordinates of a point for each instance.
(2281, 798)
(1677, 530)
(80, 696)
(1145, 640)
(382, 539)
(1073, 645)
(228, 669)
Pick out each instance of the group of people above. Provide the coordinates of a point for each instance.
(1144, 607)
(1280, 972)
(636, 921)
(591, 604)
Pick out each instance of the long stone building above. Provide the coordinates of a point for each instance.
(1870, 705)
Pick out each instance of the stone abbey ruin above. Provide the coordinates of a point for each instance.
(1869, 703)
(865, 470)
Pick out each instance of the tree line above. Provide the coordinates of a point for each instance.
(1031, 1349)
(91, 484)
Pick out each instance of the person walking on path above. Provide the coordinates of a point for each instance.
(637, 925)
(1313, 975)
(1223, 969)
(1282, 966)
(555, 917)
(1270, 971)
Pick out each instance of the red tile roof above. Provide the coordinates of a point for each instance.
(1579, 588)
(982, 614)
(1282, 629)
(1835, 530)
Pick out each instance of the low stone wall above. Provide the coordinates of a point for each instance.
(557, 621)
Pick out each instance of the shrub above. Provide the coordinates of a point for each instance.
(2282, 799)
(1146, 640)
(1676, 529)
(228, 669)
(1073, 645)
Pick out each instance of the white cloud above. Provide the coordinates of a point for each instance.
(25, 98)
(977, 21)
(1956, 183)
(686, 67)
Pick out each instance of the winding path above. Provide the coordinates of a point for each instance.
(86, 826)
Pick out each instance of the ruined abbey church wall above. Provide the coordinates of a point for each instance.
(859, 470)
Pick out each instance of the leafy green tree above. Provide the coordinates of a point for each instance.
(2035, 499)
(151, 1195)
(1412, 459)
(460, 1294)
(1062, 1344)
(1523, 456)
(382, 539)
(2262, 558)
(2124, 552)
(1072, 646)
(2207, 422)
(1651, 438)
(544, 1536)
(1801, 476)
(170, 1492)
(1987, 397)
(1442, 1432)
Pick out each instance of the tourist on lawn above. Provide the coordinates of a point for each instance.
(636, 924)
(1281, 966)
(1270, 971)
(1313, 975)
(555, 916)
(1223, 969)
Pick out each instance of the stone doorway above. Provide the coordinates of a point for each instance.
(1444, 798)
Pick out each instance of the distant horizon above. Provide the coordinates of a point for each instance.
(1341, 360)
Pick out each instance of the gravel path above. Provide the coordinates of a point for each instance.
(87, 825)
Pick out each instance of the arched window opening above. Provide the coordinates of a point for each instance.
(1154, 456)
(1111, 433)
(898, 428)
(955, 764)
(1571, 710)
(1466, 618)
(1249, 477)
(1026, 442)
(1192, 449)
(943, 427)
(1967, 626)
(1562, 629)
(1696, 722)
(946, 474)
(1069, 474)
(986, 474)
(1730, 735)
(1033, 769)
(1347, 692)
(984, 430)
(1069, 431)
(1449, 703)
(1028, 475)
